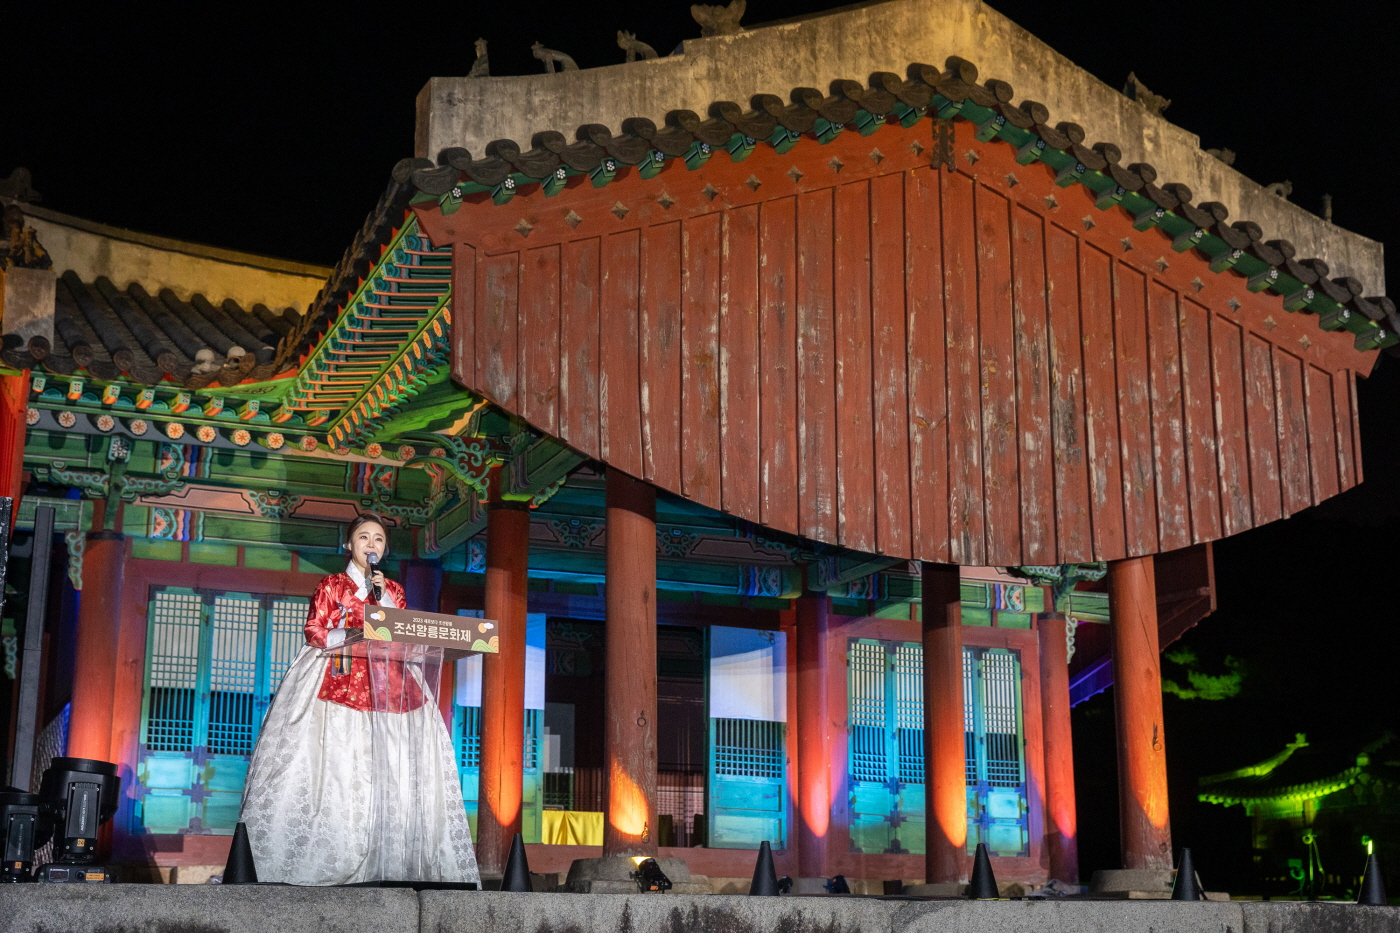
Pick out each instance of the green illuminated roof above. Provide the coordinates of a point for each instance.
(1300, 772)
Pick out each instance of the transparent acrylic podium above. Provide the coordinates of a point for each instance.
(406, 796)
(414, 779)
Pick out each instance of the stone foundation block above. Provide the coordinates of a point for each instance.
(140, 908)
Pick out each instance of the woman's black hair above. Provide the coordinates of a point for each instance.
(366, 518)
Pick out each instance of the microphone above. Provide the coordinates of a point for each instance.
(372, 561)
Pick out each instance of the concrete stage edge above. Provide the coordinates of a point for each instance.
(214, 909)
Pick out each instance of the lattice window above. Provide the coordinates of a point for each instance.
(214, 661)
(534, 729)
(233, 670)
(969, 716)
(869, 750)
(748, 748)
(286, 636)
(469, 739)
(173, 654)
(999, 714)
(909, 711)
(559, 790)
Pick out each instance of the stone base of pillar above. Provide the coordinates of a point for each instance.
(808, 886)
(944, 889)
(1133, 882)
(614, 876)
(1141, 884)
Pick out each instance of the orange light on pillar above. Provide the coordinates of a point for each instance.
(629, 692)
(813, 736)
(1061, 819)
(1144, 821)
(945, 751)
(503, 683)
(95, 655)
(14, 405)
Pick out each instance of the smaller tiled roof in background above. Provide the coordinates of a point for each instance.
(1304, 772)
(113, 333)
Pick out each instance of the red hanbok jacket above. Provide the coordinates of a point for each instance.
(335, 605)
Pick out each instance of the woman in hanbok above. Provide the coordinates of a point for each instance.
(309, 798)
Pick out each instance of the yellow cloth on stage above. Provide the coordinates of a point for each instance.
(572, 828)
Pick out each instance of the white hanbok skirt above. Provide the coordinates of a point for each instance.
(307, 801)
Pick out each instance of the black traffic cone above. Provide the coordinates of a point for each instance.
(983, 886)
(240, 868)
(517, 875)
(1372, 887)
(765, 879)
(1186, 887)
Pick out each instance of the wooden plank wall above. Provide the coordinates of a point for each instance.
(971, 366)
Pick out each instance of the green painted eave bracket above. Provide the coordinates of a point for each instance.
(546, 462)
(335, 333)
(848, 566)
(405, 347)
(439, 405)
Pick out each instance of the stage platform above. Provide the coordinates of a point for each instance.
(274, 909)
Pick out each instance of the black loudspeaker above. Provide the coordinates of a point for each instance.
(77, 796)
(21, 832)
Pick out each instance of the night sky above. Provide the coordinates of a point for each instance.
(273, 129)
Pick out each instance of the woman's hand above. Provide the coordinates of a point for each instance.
(376, 579)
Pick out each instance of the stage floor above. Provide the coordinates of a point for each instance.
(136, 908)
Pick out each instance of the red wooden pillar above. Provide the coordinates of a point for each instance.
(788, 624)
(629, 693)
(813, 736)
(1145, 826)
(945, 752)
(1061, 819)
(14, 404)
(95, 656)
(503, 683)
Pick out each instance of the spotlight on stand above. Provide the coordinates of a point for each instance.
(77, 796)
(21, 831)
(649, 875)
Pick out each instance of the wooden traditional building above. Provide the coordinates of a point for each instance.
(1315, 812)
(789, 445)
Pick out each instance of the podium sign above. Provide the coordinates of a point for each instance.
(409, 626)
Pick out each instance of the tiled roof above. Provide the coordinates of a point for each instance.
(1272, 264)
(149, 339)
(1302, 772)
(176, 331)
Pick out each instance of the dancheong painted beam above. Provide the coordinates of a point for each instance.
(917, 342)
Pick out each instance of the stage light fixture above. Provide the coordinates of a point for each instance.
(649, 875)
(77, 796)
(21, 832)
(838, 885)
